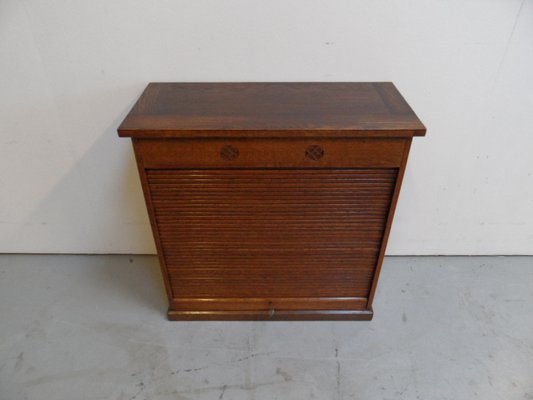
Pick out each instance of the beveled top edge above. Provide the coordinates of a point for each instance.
(271, 109)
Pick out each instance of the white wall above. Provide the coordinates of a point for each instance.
(70, 70)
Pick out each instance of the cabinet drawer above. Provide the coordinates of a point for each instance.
(265, 153)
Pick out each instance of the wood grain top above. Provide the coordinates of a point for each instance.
(369, 109)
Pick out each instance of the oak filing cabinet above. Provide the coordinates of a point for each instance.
(271, 200)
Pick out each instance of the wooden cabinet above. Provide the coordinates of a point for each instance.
(271, 200)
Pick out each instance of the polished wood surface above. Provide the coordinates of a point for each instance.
(279, 315)
(265, 153)
(271, 110)
(287, 226)
(254, 233)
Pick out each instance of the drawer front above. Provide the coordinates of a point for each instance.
(270, 234)
(264, 153)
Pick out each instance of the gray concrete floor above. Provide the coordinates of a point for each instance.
(93, 327)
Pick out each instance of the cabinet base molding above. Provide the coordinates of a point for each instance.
(279, 315)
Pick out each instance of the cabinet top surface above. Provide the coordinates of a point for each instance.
(364, 109)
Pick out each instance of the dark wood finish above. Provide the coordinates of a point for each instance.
(271, 110)
(271, 201)
(254, 232)
(265, 153)
(276, 303)
(277, 315)
(390, 217)
(148, 199)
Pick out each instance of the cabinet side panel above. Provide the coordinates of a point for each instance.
(390, 217)
(151, 215)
